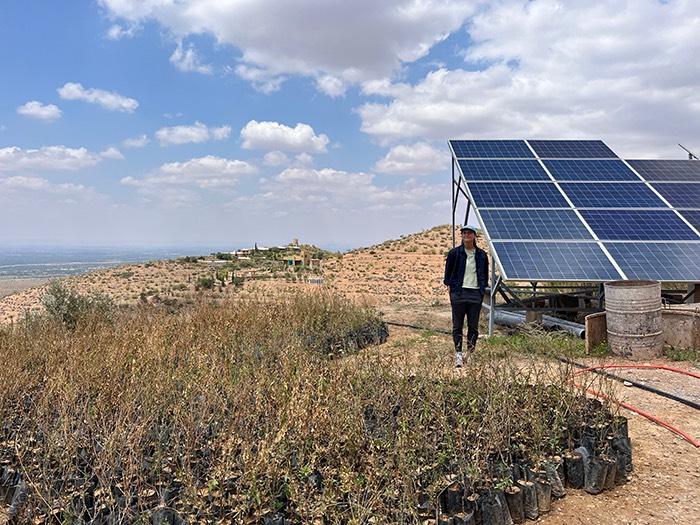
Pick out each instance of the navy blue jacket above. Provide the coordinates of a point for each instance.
(454, 269)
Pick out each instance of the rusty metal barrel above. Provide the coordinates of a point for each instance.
(633, 316)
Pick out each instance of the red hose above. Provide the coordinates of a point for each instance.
(628, 407)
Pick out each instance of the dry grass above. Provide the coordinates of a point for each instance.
(244, 402)
(237, 409)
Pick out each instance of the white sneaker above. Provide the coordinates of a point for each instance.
(458, 360)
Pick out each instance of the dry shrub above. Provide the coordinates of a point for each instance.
(244, 408)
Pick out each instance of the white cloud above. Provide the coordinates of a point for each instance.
(349, 41)
(326, 187)
(136, 142)
(274, 136)
(119, 32)
(47, 157)
(275, 158)
(112, 153)
(418, 159)
(188, 60)
(36, 109)
(331, 85)
(543, 69)
(197, 133)
(205, 172)
(262, 80)
(304, 159)
(19, 184)
(106, 99)
(298, 186)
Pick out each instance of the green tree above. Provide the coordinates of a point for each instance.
(67, 306)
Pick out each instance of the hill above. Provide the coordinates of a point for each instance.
(406, 270)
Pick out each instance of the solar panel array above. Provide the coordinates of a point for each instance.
(572, 210)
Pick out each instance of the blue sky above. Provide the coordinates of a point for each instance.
(223, 123)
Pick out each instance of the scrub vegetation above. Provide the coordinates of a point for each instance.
(260, 409)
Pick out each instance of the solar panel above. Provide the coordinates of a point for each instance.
(638, 225)
(693, 217)
(552, 261)
(612, 195)
(571, 149)
(502, 170)
(679, 194)
(585, 170)
(517, 195)
(667, 170)
(659, 260)
(538, 210)
(491, 149)
(534, 224)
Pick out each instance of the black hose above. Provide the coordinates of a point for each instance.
(653, 390)
(419, 327)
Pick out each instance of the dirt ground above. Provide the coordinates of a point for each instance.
(403, 280)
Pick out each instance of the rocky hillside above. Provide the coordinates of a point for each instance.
(407, 270)
(404, 270)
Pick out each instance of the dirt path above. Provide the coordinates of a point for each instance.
(665, 483)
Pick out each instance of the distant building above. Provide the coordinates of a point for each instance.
(303, 260)
(295, 260)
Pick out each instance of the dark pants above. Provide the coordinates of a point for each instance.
(465, 305)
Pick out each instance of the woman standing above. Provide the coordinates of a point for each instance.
(466, 274)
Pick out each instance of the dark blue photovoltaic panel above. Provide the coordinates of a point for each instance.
(534, 224)
(536, 235)
(572, 149)
(491, 149)
(668, 170)
(585, 170)
(517, 195)
(638, 225)
(661, 261)
(502, 170)
(680, 194)
(693, 217)
(554, 261)
(612, 195)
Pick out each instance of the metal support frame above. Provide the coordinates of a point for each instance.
(539, 298)
(517, 297)
(691, 155)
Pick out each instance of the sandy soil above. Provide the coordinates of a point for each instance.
(403, 278)
(11, 286)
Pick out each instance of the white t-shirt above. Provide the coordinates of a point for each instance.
(470, 280)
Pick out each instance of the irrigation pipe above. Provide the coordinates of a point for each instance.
(642, 386)
(597, 370)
